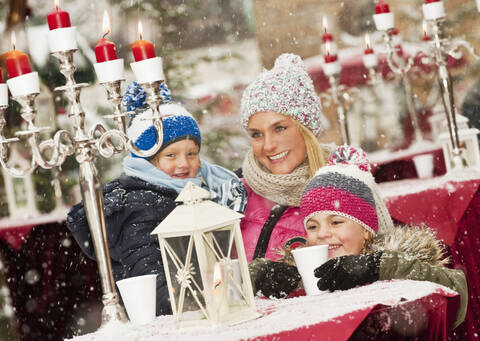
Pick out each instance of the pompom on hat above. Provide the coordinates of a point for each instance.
(346, 187)
(287, 89)
(178, 124)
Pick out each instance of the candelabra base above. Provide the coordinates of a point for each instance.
(112, 314)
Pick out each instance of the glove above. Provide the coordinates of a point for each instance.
(347, 272)
(277, 279)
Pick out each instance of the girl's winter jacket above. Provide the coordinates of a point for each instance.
(256, 213)
(133, 208)
(408, 253)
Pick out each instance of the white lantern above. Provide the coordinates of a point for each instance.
(468, 140)
(205, 263)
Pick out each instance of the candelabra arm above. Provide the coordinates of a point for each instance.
(456, 53)
(341, 112)
(115, 98)
(93, 203)
(411, 108)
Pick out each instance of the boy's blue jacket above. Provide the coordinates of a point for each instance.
(133, 208)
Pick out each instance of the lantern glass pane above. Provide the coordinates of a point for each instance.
(185, 277)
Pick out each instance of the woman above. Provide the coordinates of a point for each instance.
(283, 117)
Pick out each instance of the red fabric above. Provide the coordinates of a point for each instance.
(439, 208)
(15, 236)
(465, 253)
(454, 213)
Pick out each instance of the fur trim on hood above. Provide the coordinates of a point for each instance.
(413, 241)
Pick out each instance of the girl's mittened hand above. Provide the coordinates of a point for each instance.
(347, 272)
(277, 279)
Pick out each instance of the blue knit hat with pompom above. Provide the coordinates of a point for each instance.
(178, 123)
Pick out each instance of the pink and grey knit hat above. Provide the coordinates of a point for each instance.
(286, 89)
(343, 187)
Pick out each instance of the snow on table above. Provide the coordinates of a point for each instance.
(409, 186)
(279, 315)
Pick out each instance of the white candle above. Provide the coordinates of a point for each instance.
(3, 95)
(219, 291)
(109, 71)
(384, 21)
(148, 70)
(62, 39)
(433, 10)
(24, 84)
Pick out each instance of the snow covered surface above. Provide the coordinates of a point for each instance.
(404, 187)
(385, 156)
(57, 215)
(279, 315)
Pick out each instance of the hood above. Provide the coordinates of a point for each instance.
(413, 241)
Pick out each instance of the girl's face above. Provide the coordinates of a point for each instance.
(276, 142)
(343, 235)
(179, 160)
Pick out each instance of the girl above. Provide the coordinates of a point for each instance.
(144, 195)
(339, 208)
(283, 117)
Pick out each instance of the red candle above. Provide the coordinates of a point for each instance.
(17, 63)
(381, 7)
(368, 49)
(58, 18)
(327, 37)
(1, 78)
(142, 49)
(105, 50)
(330, 58)
(430, 1)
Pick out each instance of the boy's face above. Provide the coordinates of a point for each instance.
(343, 235)
(180, 160)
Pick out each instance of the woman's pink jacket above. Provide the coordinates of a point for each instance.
(256, 213)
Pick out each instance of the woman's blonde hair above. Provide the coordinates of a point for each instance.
(316, 154)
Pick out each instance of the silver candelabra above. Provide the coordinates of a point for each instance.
(440, 49)
(402, 67)
(84, 144)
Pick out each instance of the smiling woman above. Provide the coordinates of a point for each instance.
(282, 115)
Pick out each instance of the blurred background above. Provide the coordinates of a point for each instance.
(211, 50)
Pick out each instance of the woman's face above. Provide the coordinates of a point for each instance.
(179, 160)
(343, 235)
(276, 142)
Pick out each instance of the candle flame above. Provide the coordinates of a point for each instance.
(217, 275)
(327, 48)
(367, 41)
(56, 4)
(325, 24)
(14, 40)
(425, 28)
(106, 23)
(140, 29)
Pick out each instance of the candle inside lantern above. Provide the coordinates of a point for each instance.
(105, 50)
(58, 18)
(368, 49)
(142, 49)
(17, 62)
(326, 36)
(329, 58)
(382, 7)
(219, 291)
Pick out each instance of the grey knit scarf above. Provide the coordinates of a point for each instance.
(283, 189)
